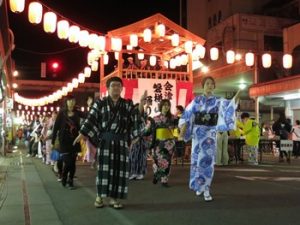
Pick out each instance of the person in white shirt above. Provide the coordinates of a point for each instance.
(296, 139)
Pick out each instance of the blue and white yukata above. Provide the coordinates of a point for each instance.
(204, 136)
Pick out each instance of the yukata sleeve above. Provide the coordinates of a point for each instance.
(137, 121)
(226, 119)
(91, 125)
(187, 119)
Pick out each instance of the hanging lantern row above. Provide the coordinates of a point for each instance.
(56, 95)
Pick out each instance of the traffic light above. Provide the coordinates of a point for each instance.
(55, 66)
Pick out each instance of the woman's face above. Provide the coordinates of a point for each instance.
(209, 87)
(165, 108)
(71, 104)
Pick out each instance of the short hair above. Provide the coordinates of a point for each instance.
(180, 108)
(208, 78)
(69, 97)
(245, 115)
(113, 79)
(298, 122)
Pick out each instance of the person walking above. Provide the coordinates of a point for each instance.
(111, 122)
(201, 120)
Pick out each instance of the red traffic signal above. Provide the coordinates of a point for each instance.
(55, 65)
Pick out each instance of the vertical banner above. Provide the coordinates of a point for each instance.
(158, 89)
(43, 69)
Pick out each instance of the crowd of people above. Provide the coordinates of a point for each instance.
(118, 137)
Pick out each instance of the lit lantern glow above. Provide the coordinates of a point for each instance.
(166, 64)
(45, 108)
(188, 47)
(152, 60)
(173, 63)
(178, 60)
(75, 82)
(95, 66)
(17, 6)
(175, 40)
(92, 41)
(63, 29)
(74, 34)
(249, 57)
(52, 108)
(116, 44)
(160, 30)
(105, 59)
(129, 47)
(230, 56)
(57, 108)
(199, 51)
(184, 59)
(214, 53)
(147, 35)
(70, 87)
(134, 40)
(84, 38)
(141, 55)
(266, 60)
(100, 43)
(81, 78)
(50, 19)
(87, 71)
(287, 61)
(35, 12)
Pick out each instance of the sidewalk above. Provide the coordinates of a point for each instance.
(23, 196)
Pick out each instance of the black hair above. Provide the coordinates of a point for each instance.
(180, 108)
(208, 78)
(113, 79)
(162, 102)
(298, 122)
(245, 115)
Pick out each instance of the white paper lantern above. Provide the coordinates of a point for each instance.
(75, 82)
(63, 27)
(160, 30)
(152, 60)
(81, 78)
(147, 35)
(100, 43)
(249, 58)
(230, 56)
(175, 40)
(74, 34)
(83, 38)
(17, 6)
(95, 66)
(134, 40)
(105, 59)
(141, 55)
(188, 47)
(50, 19)
(35, 12)
(214, 53)
(266, 60)
(92, 41)
(87, 71)
(116, 44)
(287, 61)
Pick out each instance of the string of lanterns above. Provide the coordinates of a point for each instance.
(68, 30)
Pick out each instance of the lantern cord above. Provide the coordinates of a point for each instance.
(48, 53)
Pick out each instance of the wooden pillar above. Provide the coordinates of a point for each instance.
(190, 67)
(101, 62)
(120, 64)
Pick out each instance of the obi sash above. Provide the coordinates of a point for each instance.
(163, 134)
(206, 119)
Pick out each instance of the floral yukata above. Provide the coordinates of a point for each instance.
(163, 148)
(203, 117)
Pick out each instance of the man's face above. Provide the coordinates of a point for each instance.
(115, 89)
(71, 104)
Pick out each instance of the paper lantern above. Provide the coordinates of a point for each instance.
(214, 53)
(100, 43)
(160, 30)
(175, 40)
(230, 56)
(95, 66)
(50, 19)
(35, 12)
(249, 57)
(87, 71)
(74, 34)
(116, 44)
(75, 82)
(63, 27)
(200, 51)
(92, 41)
(188, 47)
(141, 55)
(266, 60)
(152, 60)
(287, 61)
(81, 78)
(147, 35)
(17, 6)
(83, 38)
(134, 40)
(105, 59)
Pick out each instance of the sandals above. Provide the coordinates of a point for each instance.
(116, 205)
(99, 203)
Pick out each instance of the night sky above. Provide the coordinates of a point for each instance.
(34, 46)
